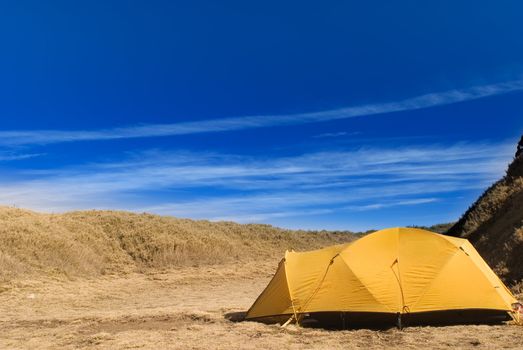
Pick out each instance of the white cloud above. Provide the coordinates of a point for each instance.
(17, 137)
(10, 156)
(217, 186)
(388, 204)
(335, 134)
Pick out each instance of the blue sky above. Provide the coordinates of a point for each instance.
(335, 115)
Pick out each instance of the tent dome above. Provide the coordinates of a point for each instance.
(390, 272)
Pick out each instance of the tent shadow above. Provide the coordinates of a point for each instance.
(235, 316)
(380, 322)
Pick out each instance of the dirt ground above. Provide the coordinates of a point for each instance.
(185, 309)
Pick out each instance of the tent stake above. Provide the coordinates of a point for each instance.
(400, 326)
(288, 322)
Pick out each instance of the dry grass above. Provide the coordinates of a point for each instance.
(487, 206)
(94, 243)
(494, 224)
(185, 308)
(115, 280)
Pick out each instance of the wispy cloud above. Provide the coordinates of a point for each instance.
(20, 137)
(335, 134)
(10, 156)
(388, 204)
(218, 186)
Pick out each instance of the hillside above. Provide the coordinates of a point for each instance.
(103, 242)
(494, 223)
(439, 228)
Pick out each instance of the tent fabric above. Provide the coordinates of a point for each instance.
(397, 270)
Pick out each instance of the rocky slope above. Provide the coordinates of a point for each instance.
(494, 223)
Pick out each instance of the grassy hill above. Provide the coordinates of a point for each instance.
(494, 223)
(439, 228)
(93, 243)
(90, 243)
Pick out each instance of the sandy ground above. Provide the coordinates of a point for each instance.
(185, 309)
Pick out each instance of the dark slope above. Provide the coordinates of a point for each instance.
(494, 223)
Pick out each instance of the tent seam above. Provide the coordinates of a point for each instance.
(437, 275)
(364, 286)
(289, 288)
(488, 268)
(318, 287)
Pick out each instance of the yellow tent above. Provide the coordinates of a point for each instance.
(395, 272)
